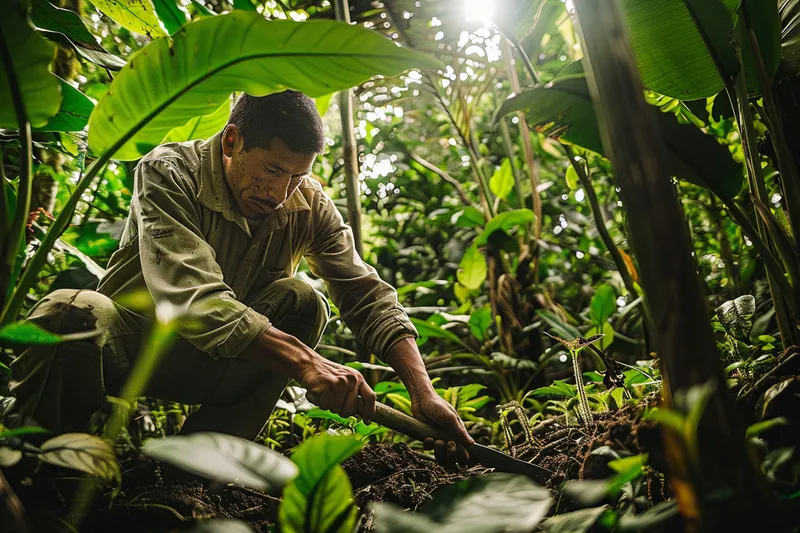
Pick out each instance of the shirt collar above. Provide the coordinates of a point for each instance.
(215, 195)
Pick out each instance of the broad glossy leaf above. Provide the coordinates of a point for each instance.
(171, 16)
(603, 304)
(468, 218)
(74, 112)
(426, 329)
(492, 503)
(320, 499)
(504, 221)
(323, 103)
(564, 110)
(480, 321)
(66, 27)
(169, 81)
(502, 181)
(30, 60)
(82, 452)
(28, 333)
(221, 525)
(202, 127)
(224, 458)
(472, 269)
(672, 57)
(138, 16)
(575, 522)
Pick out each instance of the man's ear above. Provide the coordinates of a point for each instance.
(232, 140)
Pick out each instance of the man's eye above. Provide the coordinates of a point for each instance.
(272, 170)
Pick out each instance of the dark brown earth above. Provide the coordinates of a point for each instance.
(388, 472)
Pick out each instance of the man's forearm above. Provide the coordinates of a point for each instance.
(404, 357)
(279, 352)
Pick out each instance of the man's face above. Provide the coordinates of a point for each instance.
(261, 179)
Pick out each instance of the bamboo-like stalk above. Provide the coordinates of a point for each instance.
(790, 181)
(11, 240)
(583, 401)
(782, 300)
(525, 139)
(683, 333)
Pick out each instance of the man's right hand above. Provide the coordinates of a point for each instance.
(338, 388)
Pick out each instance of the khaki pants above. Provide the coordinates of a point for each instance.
(59, 387)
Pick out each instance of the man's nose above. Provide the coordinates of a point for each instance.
(283, 188)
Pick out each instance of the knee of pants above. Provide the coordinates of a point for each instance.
(295, 307)
(72, 311)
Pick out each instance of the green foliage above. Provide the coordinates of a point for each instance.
(603, 305)
(24, 332)
(82, 452)
(671, 52)
(224, 458)
(472, 270)
(564, 110)
(138, 16)
(320, 499)
(502, 181)
(489, 504)
(73, 115)
(151, 94)
(68, 29)
(30, 57)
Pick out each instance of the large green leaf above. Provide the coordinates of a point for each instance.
(66, 27)
(27, 333)
(670, 51)
(504, 221)
(138, 16)
(602, 305)
(74, 112)
(201, 127)
(224, 458)
(171, 16)
(564, 110)
(427, 329)
(502, 181)
(169, 81)
(30, 58)
(82, 452)
(320, 499)
(472, 269)
(493, 503)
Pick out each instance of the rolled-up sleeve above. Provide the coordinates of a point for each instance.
(368, 305)
(180, 268)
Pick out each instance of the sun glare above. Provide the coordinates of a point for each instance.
(479, 10)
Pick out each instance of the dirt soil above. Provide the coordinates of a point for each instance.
(152, 500)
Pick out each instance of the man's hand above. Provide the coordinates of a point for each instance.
(433, 409)
(338, 388)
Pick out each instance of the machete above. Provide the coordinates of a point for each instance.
(402, 423)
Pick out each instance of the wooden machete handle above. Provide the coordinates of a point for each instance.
(402, 423)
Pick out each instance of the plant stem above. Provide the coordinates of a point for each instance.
(600, 223)
(56, 229)
(788, 171)
(527, 146)
(780, 290)
(11, 241)
(583, 401)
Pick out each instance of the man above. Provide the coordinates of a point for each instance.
(216, 231)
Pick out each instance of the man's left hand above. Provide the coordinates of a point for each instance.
(433, 409)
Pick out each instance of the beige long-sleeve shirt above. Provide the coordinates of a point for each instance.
(188, 244)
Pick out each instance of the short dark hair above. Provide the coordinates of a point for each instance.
(289, 115)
